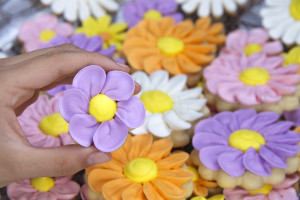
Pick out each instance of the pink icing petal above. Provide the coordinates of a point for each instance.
(258, 36)
(43, 195)
(66, 139)
(272, 48)
(257, 60)
(209, 156)
(110, 135)
(42, 140)
(273, 62)
(286, 194)
(73, 102)
(82, 129)
(236, 40)
(90, 80)
(266, 94)
(288, 182)
(255, 164)
(62, 180)
(290, 69)
(17, 189)
(68, 190)
(32, 45)
(229, 91)
(63, 29)
(235, 194)
(46, 22)
(246, 96)
(119, 86)
(282, 88)
(131, 112)
(232, 162)
(256, 197)
(288, 79)
(29, 32)
(84, 191)
(274, 160)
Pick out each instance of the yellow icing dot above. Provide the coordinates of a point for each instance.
(255, 76)
(140, 170)
(264, 190)
(170, 45)
(102, 108)
(105, 36)
(216, 197)
(156, 101)
(43, 184)
(244, 139)
(54, 125)
(47, 35)
(153, 14)
(194, 170)
(295, 9)
(252, 49)
(292, 57)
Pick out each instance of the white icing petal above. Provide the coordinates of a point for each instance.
(276, 2)
(71, 11)
(279, 30)
(175, 84)
(230, 5)
(241, 2)
(204, 8)
(217, 8)
(187, 94)
(157, 126)
(291, 34)
(188, 115)
(175, 122)
(84, 11)
(159, 79)
(180, 1)
(46, 2)
(192, 104)
(190, 6)
(109, 5)
(142, 79)
(58, 6)
(97, 10)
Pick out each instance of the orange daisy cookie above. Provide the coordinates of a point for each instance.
(142, 169)
(178, 48)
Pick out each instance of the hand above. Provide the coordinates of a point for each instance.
(22, 78)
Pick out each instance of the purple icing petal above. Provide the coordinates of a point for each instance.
(79, 40)
(146, 5)
(232, 162)
(269, 156)
(82, 129)
(119, 86)
(94, 44)
(57, 40)
(178, 17)
(109, 52)
(277, 128)
(255, 164)
(284, 150)
(110, 135)
(245, 117)
(130, 14)
(209, 156)
(166, 7)
(224, 117)
(234, 125)
(293, 116)
(72, 102)
(263, 119)
(212, 125)
(59, 88)
(131, 112)
(289, 137)
(204, 139)
(90, 80)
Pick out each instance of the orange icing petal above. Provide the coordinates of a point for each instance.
(187, 65)
(202, 48)
(120, 156)
(168, 189)
(154, 28)
(113, 190)
(141, 146)
(170, 64)
(201, 59)
(160, 149)
(113, 165)
(200, 190)
(153, 63)
(177, 176)
(203, 23)
(134, 192)
(98, 177)
(151, 193)
(184, 28)
(136, 57)
(220, 39)
(166, 25)
(195, 37)
(173, 161)
(216, 29)
(209, 184)
(135, 42)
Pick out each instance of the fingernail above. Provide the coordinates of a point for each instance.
(98, 158)
(122, 65)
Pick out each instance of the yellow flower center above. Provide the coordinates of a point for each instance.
(47, 35)
(156, 101)
(252, 49)
(43, 184)
(170, 45)
(292, 57)
(102, 108)
(244, 139)
(153, 14)
(194, 170)
(264, 190)
(140, 170)
(216, 197)
(295, 9)
(53, 125)
(255, 76)
(105, 36)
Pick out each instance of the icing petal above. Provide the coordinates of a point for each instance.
(175, 84)
(212, 126)
(289, 137)
(293, 116)
(266, 94)
(272, 48)
(284, 150)
(255, 164)
(273, 129)
(289, 194)
(175, 122)
(158, 79)
(166, 6)
(203, 139)
(157, 126)
(271, 158)
(232, 162)
(79, 40)
(289, 181)
(258, 36)
(93, 44)
(263, 119)
(209, 156)
(141, 78)
(63, 29)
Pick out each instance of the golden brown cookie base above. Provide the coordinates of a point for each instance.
(287, 103)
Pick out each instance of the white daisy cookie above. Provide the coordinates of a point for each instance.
(282, 19)
(81, 9)
(171, 108)
(211, 7)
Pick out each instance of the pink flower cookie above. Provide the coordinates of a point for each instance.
(45, 188)
(282, 191)
(41, 30)
(258, 81)
(42, 124)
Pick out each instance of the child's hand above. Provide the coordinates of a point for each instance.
(21, 79)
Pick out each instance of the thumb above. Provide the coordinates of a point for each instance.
(63, 161)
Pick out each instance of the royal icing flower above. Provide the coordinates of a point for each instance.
(112, 34)
(205, 8)
(141, 169)
(244, 143)
(45, 188)
(135, 11)
(170, 107)
(81, 9)
(177, 48)
(282, 191)
(282, 19)
(100, 108)
(41, 30)
(215, 197)
(257, 40)
(42, 124)
(258, 80)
